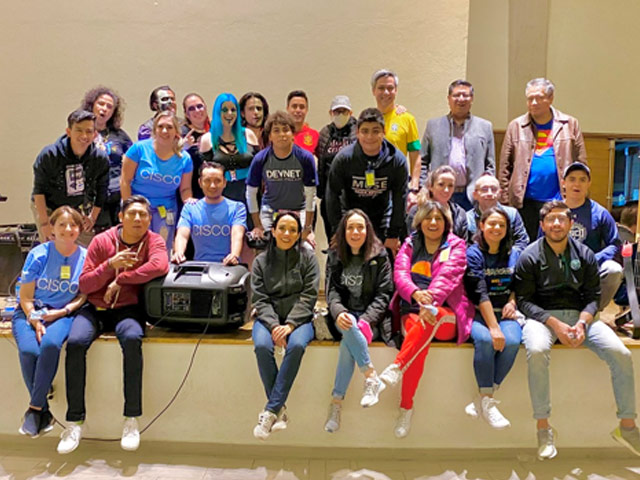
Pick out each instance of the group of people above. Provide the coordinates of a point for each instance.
(425, 243)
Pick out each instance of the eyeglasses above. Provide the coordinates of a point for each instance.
(488, 189)
(193, 108)
(461, 96)
(561, 218)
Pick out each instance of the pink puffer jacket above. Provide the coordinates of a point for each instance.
(447, 287)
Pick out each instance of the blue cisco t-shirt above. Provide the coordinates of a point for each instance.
(44, 267)
(157, 179)
(210, 226)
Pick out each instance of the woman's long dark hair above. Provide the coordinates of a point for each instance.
(272, 241)
(506, 243)
(372, 243)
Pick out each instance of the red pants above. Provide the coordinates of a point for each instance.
(416, 337)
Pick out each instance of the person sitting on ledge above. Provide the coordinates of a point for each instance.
(557, 288)
(49, 296)
(495, 331)
(284, 283)
(428, 274)
(359, 288)
(119, 262)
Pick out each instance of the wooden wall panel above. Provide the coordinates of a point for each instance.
(597, 146)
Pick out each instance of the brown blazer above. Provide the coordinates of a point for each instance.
(520, 143)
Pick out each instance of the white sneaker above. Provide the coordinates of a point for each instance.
(332, 424)
(373, 386)
(473, 408)
(403, 423)
(391, 375)
(266, 420)
(282, 420)
(546, 443)
(492, 415)
(130, 435)
(70, 438)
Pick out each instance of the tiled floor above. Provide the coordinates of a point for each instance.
(23, 459)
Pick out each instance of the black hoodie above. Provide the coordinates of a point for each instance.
(347, 187)
(65, 179)
(332, 140)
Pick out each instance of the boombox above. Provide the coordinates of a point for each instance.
(203, 292)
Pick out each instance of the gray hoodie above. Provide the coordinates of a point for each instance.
(285, 286)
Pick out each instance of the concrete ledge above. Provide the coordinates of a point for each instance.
(223, 395)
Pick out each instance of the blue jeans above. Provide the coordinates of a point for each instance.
(353, 349)
(39, 361)
(278, 383)
(491, 367)
(160, 226)
(600, 339)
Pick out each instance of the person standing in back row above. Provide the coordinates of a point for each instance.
(537, 147)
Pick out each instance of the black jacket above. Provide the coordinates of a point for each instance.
(377, 286)
(347, 188)
(544, 281)
(57, 162)
(460, 225)
(332, 140)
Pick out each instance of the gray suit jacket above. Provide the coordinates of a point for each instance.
(478, 144)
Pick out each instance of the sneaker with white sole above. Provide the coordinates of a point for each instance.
(473, 408)
(373, 386)
(70, 438)
(403, 423)
(263, 429)
(332, 424)
(546, 443)
(391, 375)
(130, 440)
(282, 421)
(46, 422)
(31, 423)
(491, 414)
(628, 438)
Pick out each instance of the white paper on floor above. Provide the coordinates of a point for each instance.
(363, 474)
(448, 475)
(260, 473)
(514, 476)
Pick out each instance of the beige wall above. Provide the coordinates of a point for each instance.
(593, 59)
(487, 59)
(587, 47)
(55, 51)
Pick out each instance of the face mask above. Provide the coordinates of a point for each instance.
(341, 119)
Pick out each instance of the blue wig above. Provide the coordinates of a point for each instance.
(216, 123)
